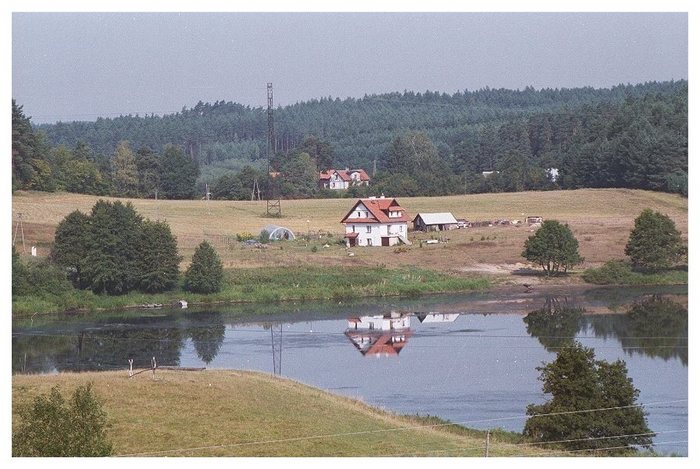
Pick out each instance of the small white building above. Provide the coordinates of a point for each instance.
(376, 222)
(437, 317)
(339, 179)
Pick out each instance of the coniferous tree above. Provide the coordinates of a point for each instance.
(112, 258)
(178, 174)
(158, 259)
(71, 246)
(206, 273)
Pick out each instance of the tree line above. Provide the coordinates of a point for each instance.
(113, 250)
(633, 136)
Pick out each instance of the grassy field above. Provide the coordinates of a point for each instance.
(232, 413)
(601, 219)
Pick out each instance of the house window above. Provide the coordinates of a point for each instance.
(369, 229)
(401, 228)
(353, 228)
(369, 241)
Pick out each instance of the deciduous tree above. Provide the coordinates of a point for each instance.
(654, 243)
(593, 405)
(553, 247)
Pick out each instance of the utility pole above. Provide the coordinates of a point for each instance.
(276, 338)
(19, 226)
(274, 206)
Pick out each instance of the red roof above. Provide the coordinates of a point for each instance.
(344, 174)
(379, 209)
(351, 235)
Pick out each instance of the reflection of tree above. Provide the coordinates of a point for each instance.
(36, 353)
(660, 327)
(655, 327)
(207, 332)
(555, 325)
(112, 349)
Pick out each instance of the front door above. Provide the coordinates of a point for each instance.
(385, 240)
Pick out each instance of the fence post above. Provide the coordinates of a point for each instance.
(131, 367)
(488, 441)
(154, 366)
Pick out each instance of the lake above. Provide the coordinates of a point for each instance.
(468, 358)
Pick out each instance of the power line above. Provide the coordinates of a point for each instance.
(414, 427)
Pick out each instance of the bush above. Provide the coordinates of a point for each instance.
(612, 273)
(53, 427)
(206, 272)
(264, 237)
(245, 236)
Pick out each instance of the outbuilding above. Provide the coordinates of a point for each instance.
(434, 222)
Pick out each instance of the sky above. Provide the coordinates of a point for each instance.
(80, 66)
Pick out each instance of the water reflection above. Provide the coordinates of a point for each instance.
(555, 324)
(380, 335)
(656, 327)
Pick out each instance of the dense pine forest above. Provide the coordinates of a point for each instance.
(431, 143)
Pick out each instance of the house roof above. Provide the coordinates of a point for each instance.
(344, 174)
(379, 209)
(443, 218)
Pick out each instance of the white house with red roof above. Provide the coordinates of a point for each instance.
(376, 222)
(339, 179)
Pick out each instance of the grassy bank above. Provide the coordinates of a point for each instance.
(229, 413)
(271, 284)
(621, 273)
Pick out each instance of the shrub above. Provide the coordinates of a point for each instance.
(245, 236)
(53, 427)
(264, 237)
(206, 272)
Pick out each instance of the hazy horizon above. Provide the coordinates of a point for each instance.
(81, 66)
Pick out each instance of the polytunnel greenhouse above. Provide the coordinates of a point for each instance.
(279, 233)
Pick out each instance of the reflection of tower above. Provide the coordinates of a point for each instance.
(276, 338)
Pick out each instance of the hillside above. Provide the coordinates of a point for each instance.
(233, 413)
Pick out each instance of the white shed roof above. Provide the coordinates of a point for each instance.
(443, 218)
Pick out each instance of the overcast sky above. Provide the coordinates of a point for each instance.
(79, 66)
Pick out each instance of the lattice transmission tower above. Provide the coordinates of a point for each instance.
(274, 206)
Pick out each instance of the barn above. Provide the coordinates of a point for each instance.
(434, 222)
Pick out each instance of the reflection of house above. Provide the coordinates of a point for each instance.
(339, 179)
(434, 222)
(379, 335)
(437, 317)
(376, 222)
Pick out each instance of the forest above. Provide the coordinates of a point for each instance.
(431, 143)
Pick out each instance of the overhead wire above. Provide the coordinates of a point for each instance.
(407, 428)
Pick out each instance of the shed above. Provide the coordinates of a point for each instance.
(434, 222)
(279, 233)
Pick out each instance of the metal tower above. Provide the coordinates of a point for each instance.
(274, 207)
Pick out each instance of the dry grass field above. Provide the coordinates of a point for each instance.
(601, 219)
(232, 413)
